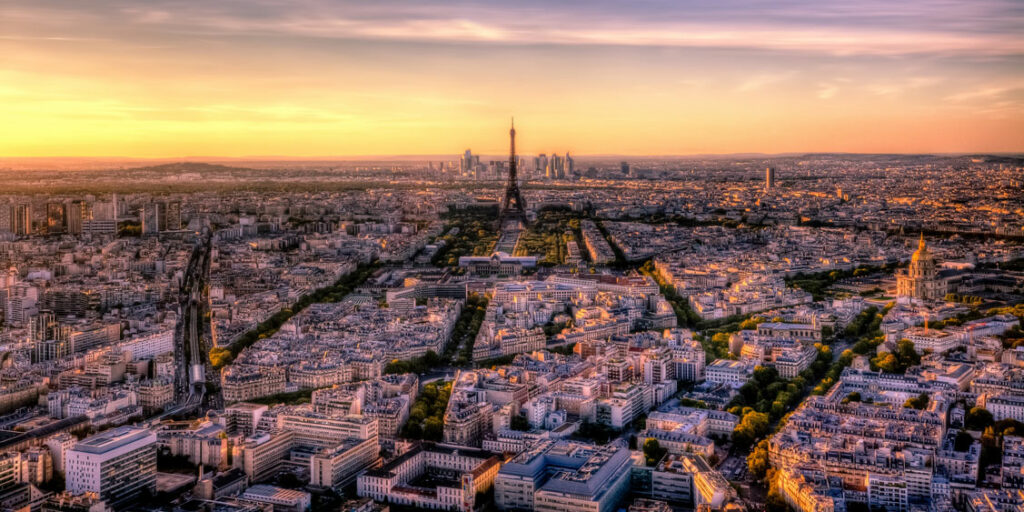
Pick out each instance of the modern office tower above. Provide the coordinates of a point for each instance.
(555, 169)
(50, 339)
(103, 211)
(22, 219)
(149, 215)
(172, 218)
(466, 163)
(624, 167)
(76, 213)
(769, 178)
(570, 164)
(56, 218)
(100, 219)
(20, 304)
(6, 218)
(43, 326)
(118, 464)
(540, 164)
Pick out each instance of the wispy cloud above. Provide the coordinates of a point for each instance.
(980, 27)
(983, 93)
(827, 91)
(903, 86)
(757, 82)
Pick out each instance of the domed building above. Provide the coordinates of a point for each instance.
(920, 281)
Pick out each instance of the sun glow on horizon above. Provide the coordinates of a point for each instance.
(337, 79)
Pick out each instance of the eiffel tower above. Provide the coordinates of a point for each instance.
(513, 208)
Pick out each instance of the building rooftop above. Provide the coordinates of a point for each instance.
(277, 494)
(111, 439)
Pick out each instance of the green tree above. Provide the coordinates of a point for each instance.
(758, 462)
(885, 361)
(720, 344)
(220, 357)
(519, 422)
(907, 355)
(978, 419)
(752, 426)
(920, 402)
(433, 429)
(751, 323)
(653, 452)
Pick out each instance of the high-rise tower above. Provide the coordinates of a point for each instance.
(513, 207)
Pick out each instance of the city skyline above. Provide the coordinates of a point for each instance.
(326, 79)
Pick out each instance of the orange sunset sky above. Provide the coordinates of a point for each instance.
(308, 78)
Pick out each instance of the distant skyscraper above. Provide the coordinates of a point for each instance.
(55, 218)
(22, 222)
(7, 219)
(570, 164)
(172, 216)
(76, 213)
(149, 215)
(624, 166)
(769, 178)
(555, 168)
(49, 337)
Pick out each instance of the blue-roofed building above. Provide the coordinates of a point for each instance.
(565, 476)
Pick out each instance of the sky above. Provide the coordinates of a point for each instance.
(318, 78)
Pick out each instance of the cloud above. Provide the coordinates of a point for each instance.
(981, 93)
(827, 91)
(758, 82)
(873, 27)
(899, 87)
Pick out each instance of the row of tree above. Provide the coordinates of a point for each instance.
(222, 356)
(426, 417)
